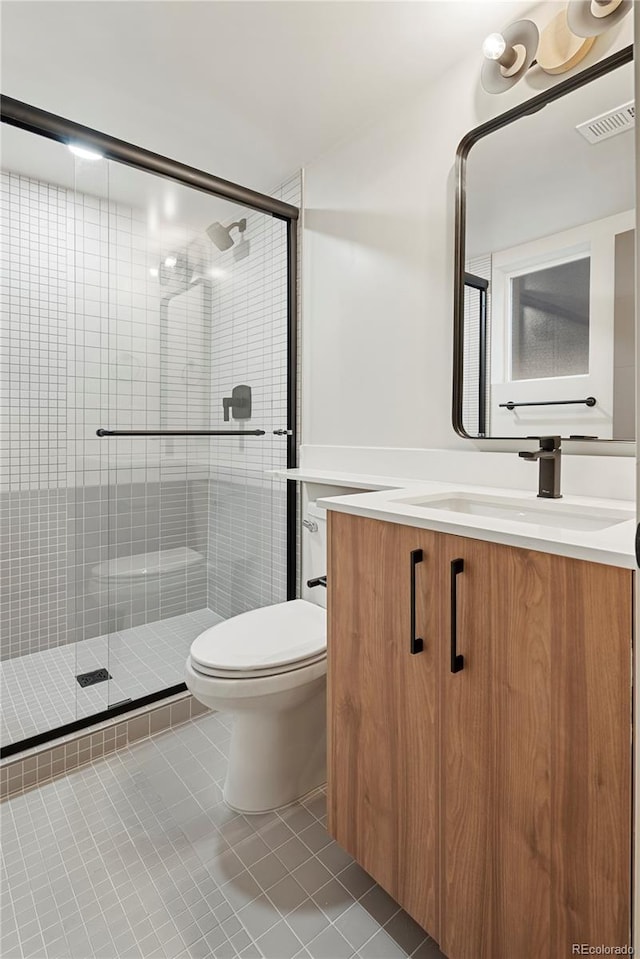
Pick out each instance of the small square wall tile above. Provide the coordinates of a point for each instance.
(159, 719)
(180, 712)
(29, 777)
(44, 765)
(197, 708)
(138, 728)
(15, 783)
(97, 745)
(71, 755)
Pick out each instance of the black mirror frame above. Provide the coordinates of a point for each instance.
(533, 105)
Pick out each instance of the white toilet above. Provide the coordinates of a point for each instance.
(268, 669)
(129, 585)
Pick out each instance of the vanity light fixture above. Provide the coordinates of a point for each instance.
(84, 152)
(590, 18)
(560, 48)
(508, 55)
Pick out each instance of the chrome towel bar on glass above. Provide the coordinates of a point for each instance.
(590, 401)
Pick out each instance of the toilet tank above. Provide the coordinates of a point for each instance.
(314, 535)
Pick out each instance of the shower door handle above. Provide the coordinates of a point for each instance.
(283, 432)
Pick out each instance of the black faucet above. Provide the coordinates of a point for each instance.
(549, 456)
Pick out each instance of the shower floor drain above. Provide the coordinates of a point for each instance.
(95, 676)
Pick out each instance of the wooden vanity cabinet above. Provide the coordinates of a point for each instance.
(383, 703)
(492, 802)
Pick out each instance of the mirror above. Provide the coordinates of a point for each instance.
(545, 261)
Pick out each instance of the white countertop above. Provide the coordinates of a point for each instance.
(367, 481)
(613, 546)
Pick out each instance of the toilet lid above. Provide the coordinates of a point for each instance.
(263, 641)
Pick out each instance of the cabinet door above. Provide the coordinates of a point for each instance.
(536, 773)
(383, 707)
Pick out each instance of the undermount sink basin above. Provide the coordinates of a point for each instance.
(551, 513)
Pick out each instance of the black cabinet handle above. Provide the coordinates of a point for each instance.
(457, 659)
(417, 644)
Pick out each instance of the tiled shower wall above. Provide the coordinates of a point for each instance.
(33, 411)
(87, 341)
(82, 348)
(247, 506)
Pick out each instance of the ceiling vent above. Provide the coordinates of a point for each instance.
(609, 124)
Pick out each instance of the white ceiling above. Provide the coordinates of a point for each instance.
(250, 91)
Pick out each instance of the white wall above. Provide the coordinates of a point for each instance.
(378, 263)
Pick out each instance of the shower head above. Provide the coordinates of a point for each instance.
(221, 235)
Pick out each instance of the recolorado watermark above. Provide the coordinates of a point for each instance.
(586, 949)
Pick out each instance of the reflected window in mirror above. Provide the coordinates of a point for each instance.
(549, 312)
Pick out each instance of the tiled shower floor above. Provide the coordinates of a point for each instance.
(40, 691)
(137, 856)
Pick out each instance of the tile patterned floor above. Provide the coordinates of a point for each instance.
(137, 856)
(40, 691)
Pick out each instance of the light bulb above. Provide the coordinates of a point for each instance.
(494, 46)
(153, 271)
(84, 153)
(170, 262)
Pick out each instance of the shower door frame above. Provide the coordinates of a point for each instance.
(34, 120)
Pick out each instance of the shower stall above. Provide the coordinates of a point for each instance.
(148, 405)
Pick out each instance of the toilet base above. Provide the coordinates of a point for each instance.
(277, 756)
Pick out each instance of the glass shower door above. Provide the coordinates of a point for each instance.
(145, 400)
(197, 523)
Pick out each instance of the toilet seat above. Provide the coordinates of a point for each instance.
(255, 673)
(263, 642)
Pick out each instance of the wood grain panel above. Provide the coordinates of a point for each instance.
(383, 709)
(590, 753)
(467, 759)
(494, 804)
(536, 769)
